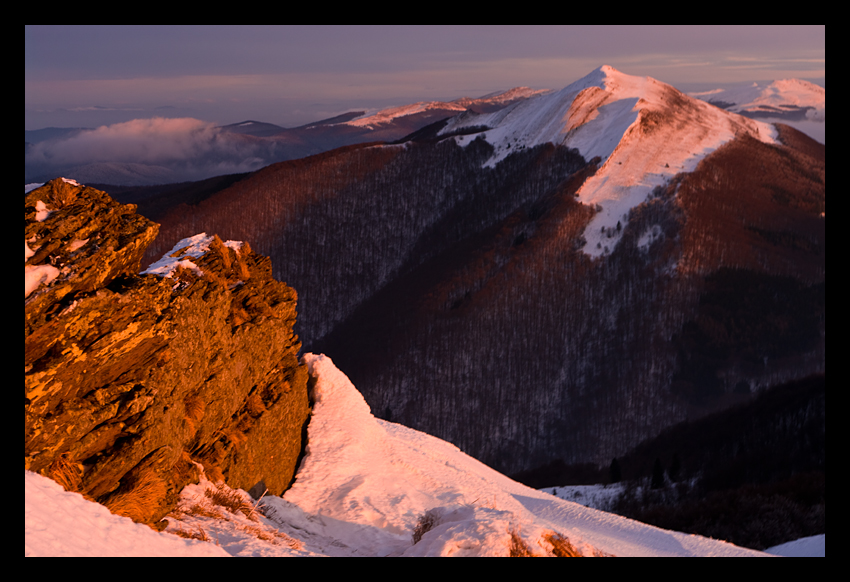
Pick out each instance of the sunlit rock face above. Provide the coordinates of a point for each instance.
(131, 379)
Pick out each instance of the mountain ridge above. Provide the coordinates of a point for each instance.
(480, 272)
(244, 147)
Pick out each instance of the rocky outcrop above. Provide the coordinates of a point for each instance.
(131, 380)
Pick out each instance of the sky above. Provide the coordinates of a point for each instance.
(88, 76)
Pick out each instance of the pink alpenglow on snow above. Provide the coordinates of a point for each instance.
(644, 132)
(361, 490)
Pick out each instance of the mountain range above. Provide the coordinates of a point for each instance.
(558, 279)
(787, 99)
(546, 280)
(140, 153)
(161, 151)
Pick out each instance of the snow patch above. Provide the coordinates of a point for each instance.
(193, 246)
(41, 211)
(367, 482)
(651, 235)
(76, 244)
(179, 255)
(36, 275)
(372, 118)
(782, 95)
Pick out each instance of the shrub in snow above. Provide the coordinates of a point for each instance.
(426, 523)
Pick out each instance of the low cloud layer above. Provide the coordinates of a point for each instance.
(173, 149)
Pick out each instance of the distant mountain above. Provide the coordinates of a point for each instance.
(558, 279)
(787, 99)
(255, 128)
(388, 124)
(126, 173)
(162, 151)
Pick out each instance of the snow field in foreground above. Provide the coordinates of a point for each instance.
(361, 490)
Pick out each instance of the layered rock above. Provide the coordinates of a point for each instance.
(131, 380)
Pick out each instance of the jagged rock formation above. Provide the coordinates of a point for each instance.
(130, 380)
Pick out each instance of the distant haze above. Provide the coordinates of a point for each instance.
(88, 76)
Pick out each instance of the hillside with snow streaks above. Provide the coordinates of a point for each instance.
(643, 131)
(361, 490)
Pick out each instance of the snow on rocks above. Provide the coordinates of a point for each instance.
(193, 247)
(35, 275)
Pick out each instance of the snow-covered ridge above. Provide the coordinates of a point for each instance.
(373, 118)
(643, 131)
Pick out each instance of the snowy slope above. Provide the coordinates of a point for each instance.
(810, 547)
(360, 491)
(59, 523)
(643, 131)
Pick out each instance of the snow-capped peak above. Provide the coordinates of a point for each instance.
(644, 132)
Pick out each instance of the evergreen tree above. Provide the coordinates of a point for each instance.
(657, 475)
(614, 474)
(675, 468)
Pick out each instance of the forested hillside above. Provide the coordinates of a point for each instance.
(459, 301)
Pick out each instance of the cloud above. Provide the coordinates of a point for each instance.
(190, 148)
(155, 140)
